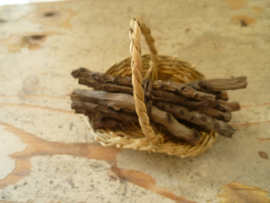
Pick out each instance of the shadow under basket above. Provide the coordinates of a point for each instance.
(130, 136)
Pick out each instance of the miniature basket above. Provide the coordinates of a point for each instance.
(143, 136)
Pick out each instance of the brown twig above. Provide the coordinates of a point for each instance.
(203, 106)
(124, 102)
(108, 83)
(184, 90)
(99, 120)
(216, 85)
(96, 108)
(222, 95)
(207, 123)
(189, 90)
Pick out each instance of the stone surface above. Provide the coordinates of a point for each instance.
(53, 178)
(9, 144)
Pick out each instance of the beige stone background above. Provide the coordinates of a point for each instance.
(48, 155)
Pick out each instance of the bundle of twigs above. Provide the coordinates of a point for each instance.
(201, 105)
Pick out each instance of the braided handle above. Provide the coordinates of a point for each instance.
(136, 27)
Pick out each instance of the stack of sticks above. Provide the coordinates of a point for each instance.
(183, 109)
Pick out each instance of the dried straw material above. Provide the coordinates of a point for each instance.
(146, 136)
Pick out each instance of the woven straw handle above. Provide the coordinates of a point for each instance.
(136, 27)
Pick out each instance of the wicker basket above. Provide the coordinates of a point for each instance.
(143, 136)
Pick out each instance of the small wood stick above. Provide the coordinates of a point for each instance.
(221, 106)
(158, 95)
(216, 85)
(213, 85)
(204, 121)
(164, 96)
(234, 106)
(224, 116)
(104, 122)
(184, 90)
(99, 77)
(222, 95)
(82, 99)
(99, 120)
(108, 87)
(91, 107)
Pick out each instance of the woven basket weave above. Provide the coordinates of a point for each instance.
(145, 136)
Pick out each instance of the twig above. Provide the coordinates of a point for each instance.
(184, 90)
(124, 102)
(216, 85)
(99, 120)
(202, 120)
(203, 106)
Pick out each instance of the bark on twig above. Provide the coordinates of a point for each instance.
(107, 83)
(207, 123)
(96, 108)
(181, 89)
(203, 106)
(208, 86)
(99, 120)
(201, 103)
(216, 85)
(222, 95)
(124, 102)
